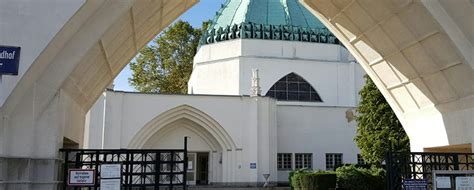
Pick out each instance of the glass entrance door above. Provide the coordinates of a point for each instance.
(191, 173)
(202, 165)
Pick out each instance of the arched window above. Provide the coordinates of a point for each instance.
(293, 88)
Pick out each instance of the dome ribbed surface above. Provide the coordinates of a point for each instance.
(266, 12)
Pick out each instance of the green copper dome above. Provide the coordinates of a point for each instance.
(266, 19)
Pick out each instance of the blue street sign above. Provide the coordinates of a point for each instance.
(9, 60)
(253, 165)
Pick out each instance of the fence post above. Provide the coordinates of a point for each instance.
(65, 169)
(185, 165)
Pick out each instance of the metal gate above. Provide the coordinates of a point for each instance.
(140, 168)
(420, 166)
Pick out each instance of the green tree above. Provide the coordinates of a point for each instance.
(165, 65)
(378, 127)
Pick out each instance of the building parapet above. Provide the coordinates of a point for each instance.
(269, 32)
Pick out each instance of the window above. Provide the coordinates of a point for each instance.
(303, 160)
(333, 161)
(284, 161)
(360, 160)
(293, 88)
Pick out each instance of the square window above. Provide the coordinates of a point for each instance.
(284, 161)
(303, 160)
(333, 160)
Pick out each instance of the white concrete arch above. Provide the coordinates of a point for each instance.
(416, 53)
(187, 124)
(183, 112)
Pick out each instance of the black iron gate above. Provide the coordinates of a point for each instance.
(403, 166)
(140, 168)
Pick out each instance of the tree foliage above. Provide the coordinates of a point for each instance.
(165, 65)
(379, 129)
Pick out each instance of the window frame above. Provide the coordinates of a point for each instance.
(282, 164)
(331, 158)
(305, 162)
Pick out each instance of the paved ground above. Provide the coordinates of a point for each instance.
(236, 188)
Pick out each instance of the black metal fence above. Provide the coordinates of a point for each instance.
(402, 166)
(140, 168)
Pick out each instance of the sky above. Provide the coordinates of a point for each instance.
(204, 10)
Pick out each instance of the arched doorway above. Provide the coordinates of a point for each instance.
(210, 147)
(202, 147)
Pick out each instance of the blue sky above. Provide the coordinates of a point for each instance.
(204, 10)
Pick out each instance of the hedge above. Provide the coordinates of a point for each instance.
(351, 177)
(310, 180)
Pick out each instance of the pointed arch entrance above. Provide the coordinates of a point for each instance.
(210, 146)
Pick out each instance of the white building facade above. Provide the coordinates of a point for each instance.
(301, 116)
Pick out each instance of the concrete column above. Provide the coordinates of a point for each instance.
(267, 140)
(30, 159)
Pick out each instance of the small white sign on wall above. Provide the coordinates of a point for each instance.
(110, 171)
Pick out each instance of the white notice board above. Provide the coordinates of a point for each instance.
(464, 183)
(81, 177)
(110, 184)
(443, 182)
(110, 171)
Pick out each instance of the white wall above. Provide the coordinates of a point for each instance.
(94, 123)
(317, 130)
(220, 78)
(260, 127)
(250, 121)
(334, 82)
(32, 30)
(226, 68)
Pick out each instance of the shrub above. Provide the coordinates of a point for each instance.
(354, 178)
(319, 180)
(324, 180)
(293, 173)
